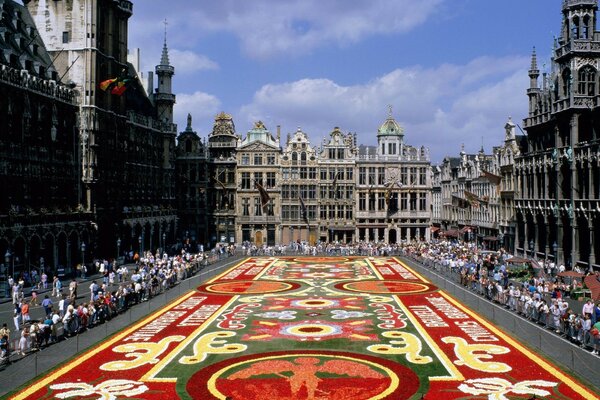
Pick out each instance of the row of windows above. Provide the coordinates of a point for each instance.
(331, 212)
(377, 176)
(265, 179)
(385, 201)
(259, 159)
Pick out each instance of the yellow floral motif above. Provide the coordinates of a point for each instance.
(407, 343)
(205, 345)
(473, 355)
(496, 388)
(108, 390)
(142, 353)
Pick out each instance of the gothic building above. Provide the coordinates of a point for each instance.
(193, 180)
(222, 163)
(558, 171)
(41, 223)
(127, 142)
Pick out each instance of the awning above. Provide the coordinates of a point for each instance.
(450, 233)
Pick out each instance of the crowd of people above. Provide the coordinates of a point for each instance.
(115, 290)
(542, 295)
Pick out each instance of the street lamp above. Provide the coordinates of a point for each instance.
(7, 257)
(531, 245)
(83, 253)
(118, 247)
(164, 238)
(555, 248)
(140, 244)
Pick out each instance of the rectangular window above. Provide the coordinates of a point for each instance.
(285, 213)
(423, 201)
(331, 154)
(285, 174)
(349, 173)
(246, 206)
(349, 213)
(245, 159)
(271, 159)
(422, 176)
(285, 192)
(332, 173)
(380, 175)
(257, 207)
(312, 192)
(371, 176)
(258, 178)
(271, 179)
(65, 37)
(323, 174)
(371, 201)
(340, 212)
(323, 212)
(294, 173)
(413, 176)
(323, 192)
(381, 201)
(258, 159)
(312, 174)
(331, 212)
(404, 176)
(340, 154)
(383, 148)
(362, 176)
(413, 202)
(246, 180)
(303, 173)
(403, 201)
(362, 202)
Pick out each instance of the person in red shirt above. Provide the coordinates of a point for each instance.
(25, 311)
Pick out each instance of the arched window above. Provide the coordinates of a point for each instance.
(585, 27)
(575, 28)
(303, 158)
(188, 146)
(586, 81)
(566, 82)
(294, 158)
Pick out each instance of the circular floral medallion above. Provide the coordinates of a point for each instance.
(248, 287)
(304, 375)
(387, 287)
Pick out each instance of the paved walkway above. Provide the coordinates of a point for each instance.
(23, 369)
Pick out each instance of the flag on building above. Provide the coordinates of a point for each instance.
(219, 182)
(109, 83)
(472, 199)
(264, 196)
(121, 86)
(493, 178)
(303, 211)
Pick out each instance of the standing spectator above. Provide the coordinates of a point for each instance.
(588, 308)
(47, 304)
(44, 280)
(15, 292)
(23, 341)
(73, 290)
(596, 335)
(17, 317)
(56, 287)
(93, 291)
(25, 312)
(4, 331)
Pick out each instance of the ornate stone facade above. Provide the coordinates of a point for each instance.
(127, 141)
(42, 225)
(558, 171)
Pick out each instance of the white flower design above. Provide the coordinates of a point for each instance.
(108, 390)
(278, 315)
(343, 314)
(496, 388)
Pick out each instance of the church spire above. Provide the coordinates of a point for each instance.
(534, 72)
(164, 59)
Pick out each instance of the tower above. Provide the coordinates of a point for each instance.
(390, 137)
(164, 99)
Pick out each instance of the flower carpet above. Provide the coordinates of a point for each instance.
(297, 328)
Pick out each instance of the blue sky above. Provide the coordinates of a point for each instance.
(453, 70)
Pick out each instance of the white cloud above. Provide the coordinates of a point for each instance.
(439, 108)
(187, 61)
(201, 105)
(273, 27)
